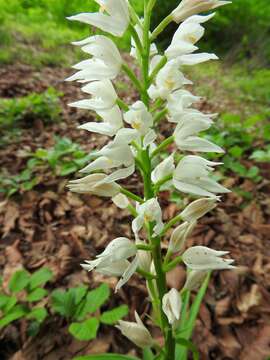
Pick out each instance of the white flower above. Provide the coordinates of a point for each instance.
(150, 211)
(116, 268)
(194, 280)
(103, 96)
(188, 8)
(186, 130)
(188, 34)
(115, 23)
(105, 64)
(113, 260)
(112, 122)
(198, 209)
(139, 118)
(119, 249)
(180, 235)
(171, 306)
(179, 102)
(192, 176)
(111, 156)
(136, 332)
(139, 31)
(92, 184)
(202, 258)
(194, 59)
(169, 79)
(164, 169)
(121, 201)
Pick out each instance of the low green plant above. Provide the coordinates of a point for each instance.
(25, 291)
(18, 112)
(239, 136)
(65, 158)
(81, 309)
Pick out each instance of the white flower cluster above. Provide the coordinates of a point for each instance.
(132, 128)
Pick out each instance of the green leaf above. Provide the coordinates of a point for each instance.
(3, 300)
(68, 303)
(36, 295)
(191, 320)
(19, 281)
(39, 314)
(17, 312)
(63, 302)
(147, 354)
(106, 357)
(95, 299)
(111, 317)
(40, 277)
(86, 330)
(12, 301)
(189, 345)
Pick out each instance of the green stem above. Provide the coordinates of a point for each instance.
(122, 104)
(149, 194)
(146, 274)
(144, 247)
(164, 23)
(172, 264)
(136, 39)
(130, 73)
(159, 116)
(162, 182)
(132, 210)
(134, 15)
(162, 146)
(171, 223)
(130, 195)
(158, 67)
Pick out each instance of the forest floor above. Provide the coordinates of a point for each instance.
(48, 226)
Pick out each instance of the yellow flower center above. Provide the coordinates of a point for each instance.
(191, 38)
(102, 8)
(169, 83)
(136, 125)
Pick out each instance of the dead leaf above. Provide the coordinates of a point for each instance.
(250, 299)
(11, 215)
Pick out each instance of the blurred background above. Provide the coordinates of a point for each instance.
(43, 225)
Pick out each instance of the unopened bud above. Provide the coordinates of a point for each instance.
(179, 236)
(121, 201)
(195, 280)
(198, 209)
(188, 8)
(144, 258)
(171, 305)
(136, 332)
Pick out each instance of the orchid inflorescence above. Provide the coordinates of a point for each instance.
(135, 147)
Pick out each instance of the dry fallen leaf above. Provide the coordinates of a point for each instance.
(249, 299)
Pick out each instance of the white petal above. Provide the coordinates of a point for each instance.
(128, 273)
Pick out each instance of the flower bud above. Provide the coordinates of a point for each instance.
(195, 280)
(171, 305)
(144, 258)
(91, 184)
(121, 201)
(198, 209)
(203, 258)
(179, 236)
(136, 332)
(188, 8)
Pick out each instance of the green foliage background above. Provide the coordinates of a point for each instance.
(240, 29)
